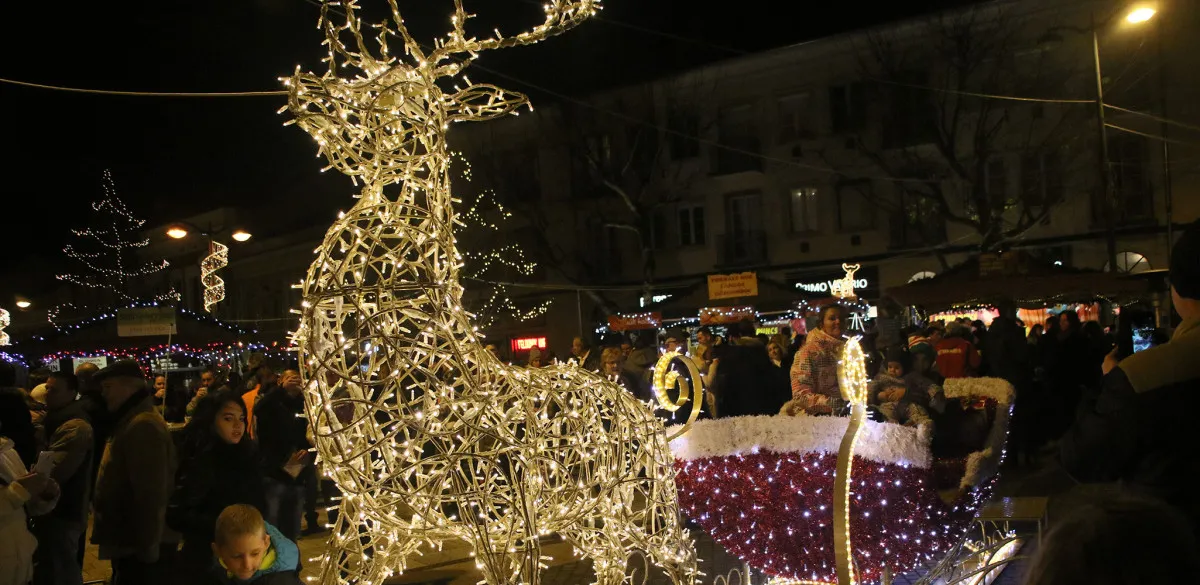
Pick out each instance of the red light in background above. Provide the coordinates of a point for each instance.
(528, 343)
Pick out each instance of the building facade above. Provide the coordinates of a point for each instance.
(905, 148)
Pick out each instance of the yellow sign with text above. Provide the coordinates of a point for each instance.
(728, 286)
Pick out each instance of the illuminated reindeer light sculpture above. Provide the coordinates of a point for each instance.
(429, 436)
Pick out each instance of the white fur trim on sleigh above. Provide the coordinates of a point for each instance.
(997, 389)
(881, 442)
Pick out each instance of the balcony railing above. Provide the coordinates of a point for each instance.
(742, 248)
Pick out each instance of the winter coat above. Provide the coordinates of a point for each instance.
(280, 433)
(957, 358)
(747, 383)
(815, 369)
(208, 482)
(70, 437)
(137, 473)
(280, 566)
(1137, 428)
(16, 542)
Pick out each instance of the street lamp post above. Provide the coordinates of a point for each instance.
(1137, 15)
(1110, 228)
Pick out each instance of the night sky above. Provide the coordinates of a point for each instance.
(172, 157)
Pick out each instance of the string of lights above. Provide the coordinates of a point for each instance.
(479, 266)
(70, 327)
(212, 354)
(114, 244)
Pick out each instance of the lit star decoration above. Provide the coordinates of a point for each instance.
(5, 320)
(429, 436)
(107, 251)
(766, 487)
(214, 286)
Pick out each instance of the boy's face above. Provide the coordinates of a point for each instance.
(895, 369)
(243, 554)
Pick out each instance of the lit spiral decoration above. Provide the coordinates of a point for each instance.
(5, 320)
(690, 386)
(214, 286)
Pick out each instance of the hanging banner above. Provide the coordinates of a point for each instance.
(729, 286)
(634, 322)
(145, 321)
(725, 315)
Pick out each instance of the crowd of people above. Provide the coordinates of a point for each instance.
(205, 502)
(223, 498)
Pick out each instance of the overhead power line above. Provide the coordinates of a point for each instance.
(188, 94)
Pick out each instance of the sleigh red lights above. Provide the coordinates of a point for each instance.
(771, 489)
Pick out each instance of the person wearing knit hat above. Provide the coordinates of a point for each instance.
(1137, 428)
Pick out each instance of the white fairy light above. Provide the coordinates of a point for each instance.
(430, 437)
(107, 248)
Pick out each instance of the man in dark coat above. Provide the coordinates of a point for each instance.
(283, 443)
(1137, 429)
(747, 383)
(137, 474)
(69, 438)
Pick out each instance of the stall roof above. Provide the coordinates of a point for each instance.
(1026, 282)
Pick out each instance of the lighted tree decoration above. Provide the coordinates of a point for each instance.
(107, 251)
(430, 437)
(492, 265)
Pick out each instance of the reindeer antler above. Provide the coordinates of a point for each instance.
(561, 16)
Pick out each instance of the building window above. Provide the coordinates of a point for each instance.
(738, 133)
(911, 119)
(996, 181)
(1132, 196)
(794, 117)
(658, 231)
(684, 129)
(848, 108)
(518, 178)
(803, 203)
(1131, 263)
(855, 212)
(691, 225)
(1041, 182)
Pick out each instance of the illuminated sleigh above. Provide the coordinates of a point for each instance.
(770, 490)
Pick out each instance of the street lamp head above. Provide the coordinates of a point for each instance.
(1140, 14)
(23, 304)
(241, 235)
(177, 232)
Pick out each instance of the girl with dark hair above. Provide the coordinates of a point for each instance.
(218, 467)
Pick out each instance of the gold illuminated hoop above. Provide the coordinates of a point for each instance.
(691, 387)
(429, 436)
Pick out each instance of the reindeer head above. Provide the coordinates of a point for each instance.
(380, 115)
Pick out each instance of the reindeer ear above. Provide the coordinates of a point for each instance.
(484, 102)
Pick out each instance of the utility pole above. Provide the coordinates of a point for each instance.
(1105, 175)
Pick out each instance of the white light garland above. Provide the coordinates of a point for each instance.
(429, 436)
(852, 380)
(214, 286)
(112, 244)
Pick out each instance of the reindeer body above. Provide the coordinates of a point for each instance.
(428, 435)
